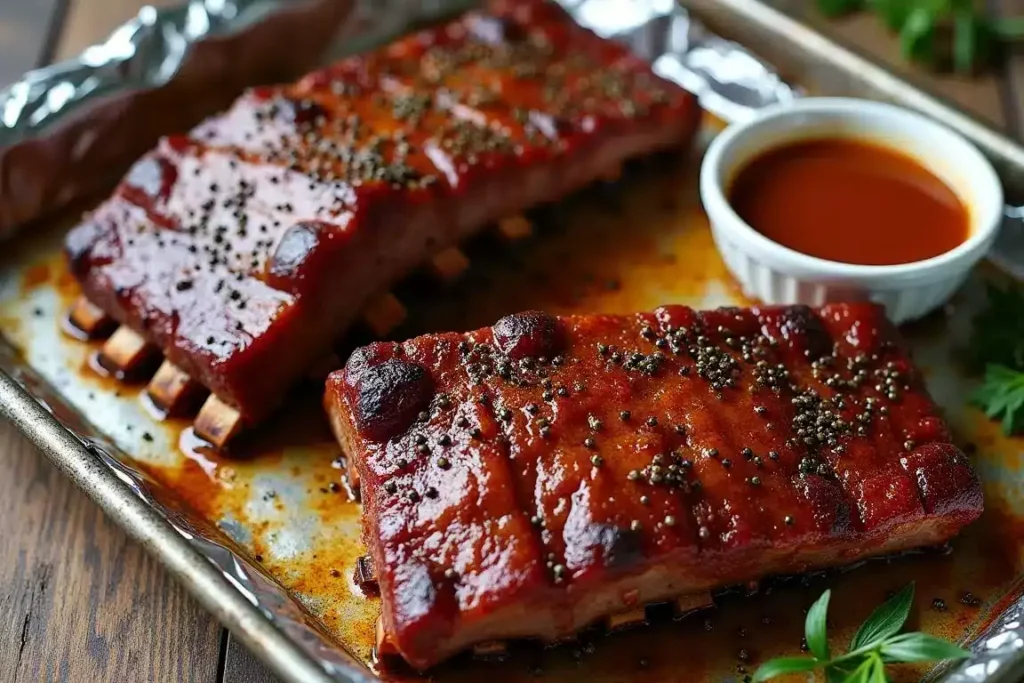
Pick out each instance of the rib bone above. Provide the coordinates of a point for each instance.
(89, 319)
(217, 422)
(172, 390)
(449, 265)
(126, 351)
(515, 228)
(384, 314)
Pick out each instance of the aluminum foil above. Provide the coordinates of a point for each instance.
(62, 113)
(71, 129)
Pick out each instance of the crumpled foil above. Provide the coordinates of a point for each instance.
(70, 130)
(53, 121)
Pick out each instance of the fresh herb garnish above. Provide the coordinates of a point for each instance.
(876, 643)
(1002, 395)
(939, 33)
(998, 337)
(998, 346)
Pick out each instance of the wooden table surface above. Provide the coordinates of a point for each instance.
(81, 602)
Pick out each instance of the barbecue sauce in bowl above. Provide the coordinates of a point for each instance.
(849, 201)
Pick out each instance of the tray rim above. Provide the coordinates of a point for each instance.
(144, 524)
(1006, 154)
(227, 603)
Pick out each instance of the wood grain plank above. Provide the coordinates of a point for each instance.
(1013, 77)
(79, 600)
(240, 666)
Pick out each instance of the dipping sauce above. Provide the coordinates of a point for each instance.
(850, 201)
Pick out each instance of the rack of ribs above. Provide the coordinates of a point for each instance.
(240, 252)
(533, 478)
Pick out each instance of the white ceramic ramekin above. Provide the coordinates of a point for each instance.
(776, 274)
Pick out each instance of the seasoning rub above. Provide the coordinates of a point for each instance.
(800, 438)
(243, 250)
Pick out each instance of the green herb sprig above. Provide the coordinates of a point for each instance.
(939, 33)
(998, 345)
(1002, 395)
(878, 642)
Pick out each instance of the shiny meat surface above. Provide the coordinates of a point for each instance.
(245, 248)
(528, 479)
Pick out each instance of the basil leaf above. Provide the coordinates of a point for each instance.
(863, 672)
(894, 13)
(989, 49)
(1008, 29)
(965, 47)
(920, 647)
(886, 620)
(917, 36)
(878, 674)
(815, 629)
(784, 665)
(839, 673)
(835, 8)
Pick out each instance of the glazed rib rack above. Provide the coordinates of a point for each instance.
(239, 253)
(533, 478)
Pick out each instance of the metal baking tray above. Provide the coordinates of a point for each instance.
(265, 541)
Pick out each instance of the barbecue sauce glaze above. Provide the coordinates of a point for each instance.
(850, 201)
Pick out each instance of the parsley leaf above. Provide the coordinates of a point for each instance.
(999, 329)
(998, 345)
(1002, 394)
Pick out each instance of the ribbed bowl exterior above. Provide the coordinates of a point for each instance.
(761, 281)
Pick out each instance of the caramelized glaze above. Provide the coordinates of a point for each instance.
(245, 248)
(554, 471)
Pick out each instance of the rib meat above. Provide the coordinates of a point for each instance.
(528, 479)
(244, 249)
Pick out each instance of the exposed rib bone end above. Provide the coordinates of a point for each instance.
(491, 650)
(691, 603)
(515, 228)
(217, 422)
(449, 265)
(625, 620)
(366, 572)
(172, 390)
(126, 352)
(384, 314)
(89, 319)
(383, 646)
